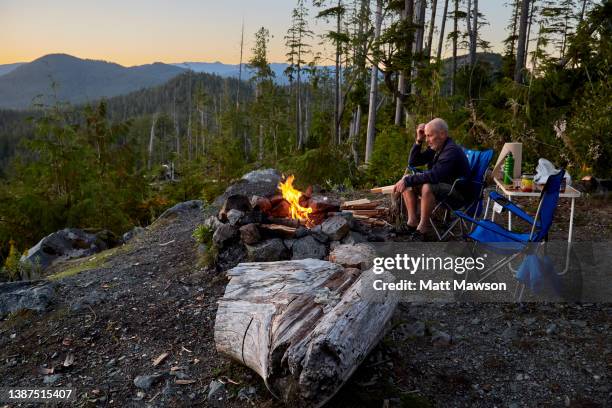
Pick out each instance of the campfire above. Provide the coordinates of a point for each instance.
(292, 196)
(287, 223)
(294, 208)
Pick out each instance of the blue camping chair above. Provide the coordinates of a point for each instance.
(509, 243)
(479, 161)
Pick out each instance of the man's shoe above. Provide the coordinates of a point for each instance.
(418, 236)
(407, 229)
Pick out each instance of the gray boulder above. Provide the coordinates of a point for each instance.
(308, 247)
(263, 183)
(212, 222)
(133, 233)
(267, 251)
(335, 227)
(25, 295)
(66, 244)
(234, 216)
(216, 393)
(318, 234)
(354, 238)
(181, 208)
(249, 234)
(146, 381)
(353, 256)
(224, 233)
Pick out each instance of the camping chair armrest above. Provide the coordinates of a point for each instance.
(513, 208)
(466, 217)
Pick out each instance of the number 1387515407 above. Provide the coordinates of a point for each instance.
(25, 394)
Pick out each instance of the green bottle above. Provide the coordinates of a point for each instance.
(508, 169)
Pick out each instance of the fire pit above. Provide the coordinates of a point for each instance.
(278, 222)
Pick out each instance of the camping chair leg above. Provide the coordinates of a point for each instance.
(518, 294)
(449, 230)
(498, 266)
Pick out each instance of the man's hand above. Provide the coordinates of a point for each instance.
(420, 133)
(400, 186)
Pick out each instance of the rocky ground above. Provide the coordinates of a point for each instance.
(134, 327)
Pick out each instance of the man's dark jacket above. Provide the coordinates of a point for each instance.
(443, 167)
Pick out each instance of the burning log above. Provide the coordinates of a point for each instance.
(323, 205)
(303, 326)
(275, 230)
(280, 210)
(276, 200)
(288, 222)
(262, 204)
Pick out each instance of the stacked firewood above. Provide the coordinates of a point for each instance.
(373, 212)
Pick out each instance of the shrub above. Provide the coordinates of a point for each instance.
(390, 156)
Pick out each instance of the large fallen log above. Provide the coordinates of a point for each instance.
(303, 326)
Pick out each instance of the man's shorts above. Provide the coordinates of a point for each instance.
(441, 191)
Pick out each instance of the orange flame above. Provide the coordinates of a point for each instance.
(292, 196)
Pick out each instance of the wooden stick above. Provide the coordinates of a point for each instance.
(383, 190)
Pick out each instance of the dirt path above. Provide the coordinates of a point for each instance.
(148, 298)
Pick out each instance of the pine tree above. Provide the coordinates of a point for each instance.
(296, 38)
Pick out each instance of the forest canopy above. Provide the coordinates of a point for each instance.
(350, 124)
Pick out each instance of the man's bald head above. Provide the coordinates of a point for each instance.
(439, 125)
(436, 133)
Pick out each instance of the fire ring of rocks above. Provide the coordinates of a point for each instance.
(287, 224)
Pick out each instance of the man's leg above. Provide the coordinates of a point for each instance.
(428, 202)
(410, 201)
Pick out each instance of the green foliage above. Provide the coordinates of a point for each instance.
(390, 156)
(203, 234)
(318, 166)
(11, 268)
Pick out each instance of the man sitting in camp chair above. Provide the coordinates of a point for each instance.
(446, 162)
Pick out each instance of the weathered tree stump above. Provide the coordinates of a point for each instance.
(302, 325)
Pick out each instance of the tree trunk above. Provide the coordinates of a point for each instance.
(306, 132)
(514, 26)
(474, 35)
(401, 82)
(176, 126)
(356, 138)
(303, 326)
(189, 141)
(300, 136)
(520, 52)
(584, 2)
(337, 80)
(420, 8)
(528, 33)
(240, 68)
(432, 23)
(455, 35)
(371, 133)
(442, 27)
(151, 141)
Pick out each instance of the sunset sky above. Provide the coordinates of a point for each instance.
(133, 32)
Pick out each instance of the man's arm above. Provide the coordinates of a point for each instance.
(418, 157)
(442, 170)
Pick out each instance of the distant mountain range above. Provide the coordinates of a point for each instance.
(66, 78)
(233, 70)
(77, 80)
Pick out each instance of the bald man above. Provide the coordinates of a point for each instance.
(446, 162)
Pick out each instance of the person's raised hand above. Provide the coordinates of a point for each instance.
(400, 186)
(420, 133)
